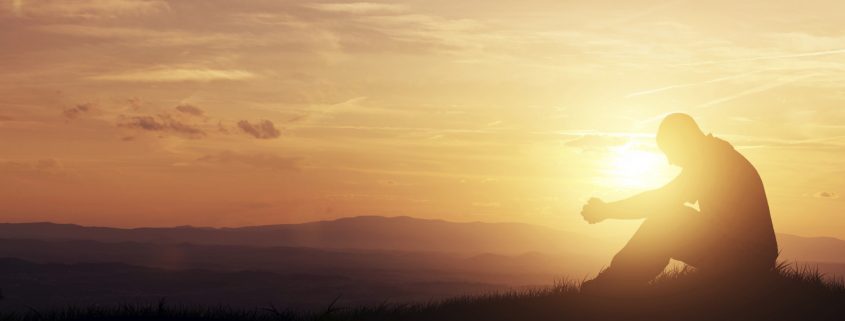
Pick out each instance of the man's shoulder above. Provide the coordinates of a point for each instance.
(725, 153)
(718, 141)
(720, 146)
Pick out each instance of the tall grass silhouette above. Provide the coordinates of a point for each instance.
(790, 292)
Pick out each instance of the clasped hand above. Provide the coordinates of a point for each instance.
(594, 211)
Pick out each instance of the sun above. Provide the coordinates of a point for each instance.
(632, 166)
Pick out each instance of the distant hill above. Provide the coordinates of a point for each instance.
(818, 249)
(366, 260)
(365, 232)
(403, 234)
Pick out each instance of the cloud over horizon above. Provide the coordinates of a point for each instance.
(262, 129)
(77, 111)
(163, 123)
(827, 194)
(190, 110)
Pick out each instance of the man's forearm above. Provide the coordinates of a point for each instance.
(635, 207)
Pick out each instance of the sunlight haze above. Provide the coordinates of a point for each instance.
(232, 113)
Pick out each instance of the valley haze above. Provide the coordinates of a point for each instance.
(358, 260)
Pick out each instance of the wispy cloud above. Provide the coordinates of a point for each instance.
(827, 194)
(263, 129)
(87, 9)
(178, 75)
(78, 110)
(831, 142)
(772, 57)
(711, 81)
(165, 124)
(190, 110)
(357, 7)
(754, 90)
(636, 15)
(596, 142)
(150, 37)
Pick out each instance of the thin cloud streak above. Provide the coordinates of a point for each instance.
(178, 75)
(637, 15)
(801, 55)
(357, 7)
(711, 81)
(754, 90)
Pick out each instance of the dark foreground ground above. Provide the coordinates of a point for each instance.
(788, 294)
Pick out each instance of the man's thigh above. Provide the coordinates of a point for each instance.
(691, 239)
(674, 233)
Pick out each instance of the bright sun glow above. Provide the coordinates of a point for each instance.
(629, 166)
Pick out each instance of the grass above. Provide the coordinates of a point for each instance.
(789, 293)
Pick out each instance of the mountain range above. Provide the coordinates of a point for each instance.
(369, 258)
(363, 232)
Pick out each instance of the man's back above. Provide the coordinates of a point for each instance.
(733, 200)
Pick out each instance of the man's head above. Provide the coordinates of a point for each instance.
(679, 138)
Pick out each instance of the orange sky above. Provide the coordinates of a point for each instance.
(223, 113)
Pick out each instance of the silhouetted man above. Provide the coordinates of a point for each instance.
(731, 234)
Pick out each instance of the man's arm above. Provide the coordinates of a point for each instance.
(634, 207)
(641, 205)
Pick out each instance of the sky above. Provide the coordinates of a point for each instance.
(229, 113)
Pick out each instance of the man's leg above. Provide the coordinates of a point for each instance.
(648, 252)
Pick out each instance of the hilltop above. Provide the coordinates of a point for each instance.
(787, 294)
(400, 233)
